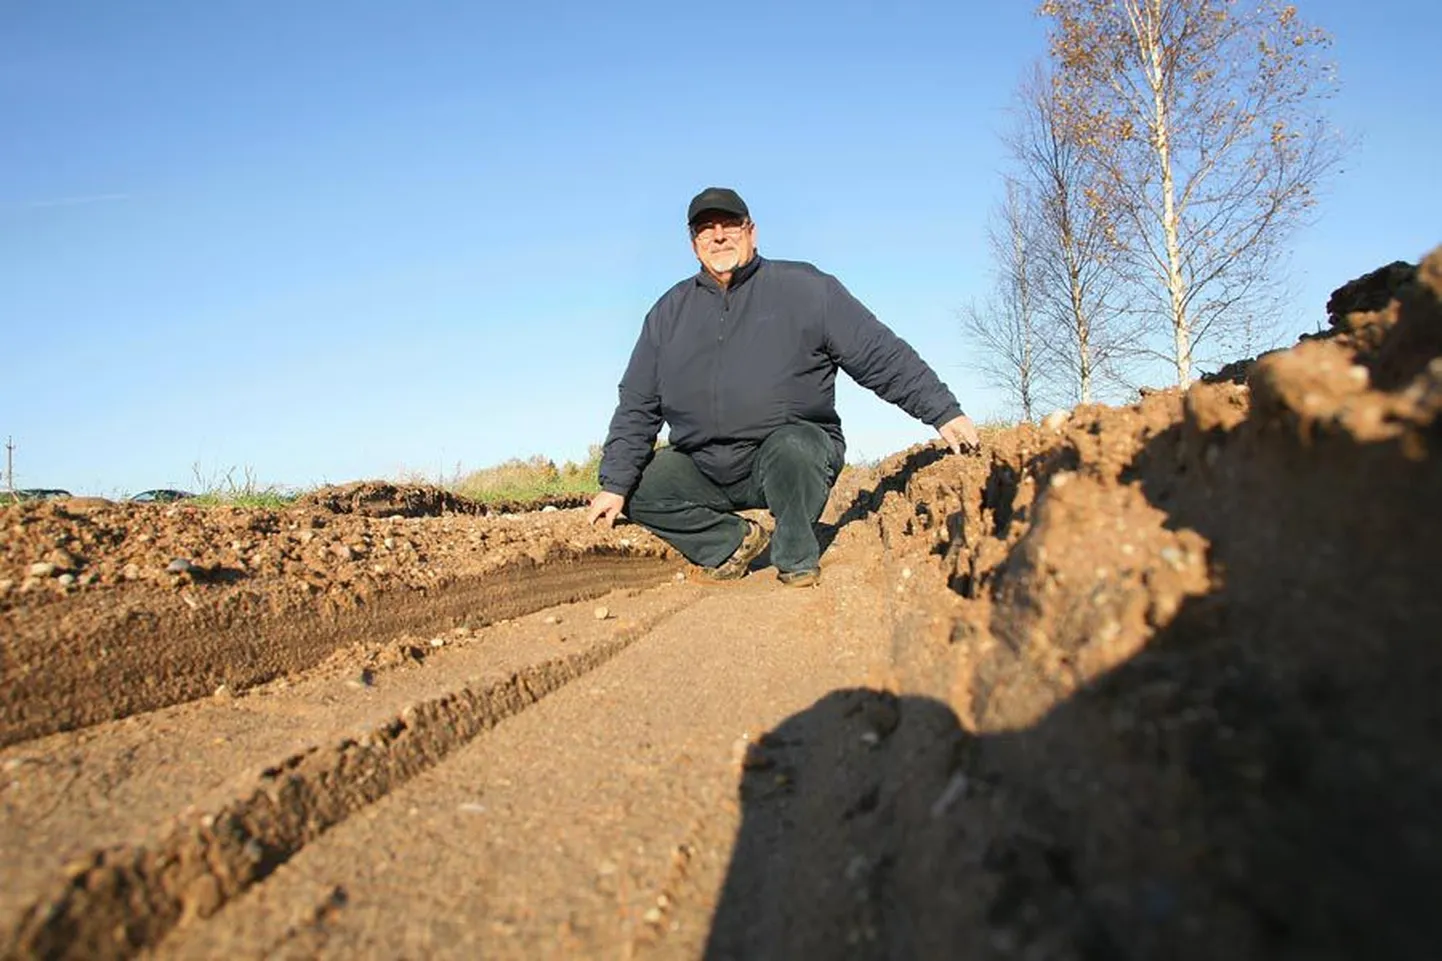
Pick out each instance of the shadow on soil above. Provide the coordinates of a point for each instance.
(1146, 817)
(1259, 782)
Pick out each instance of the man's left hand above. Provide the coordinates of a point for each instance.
(960, 435)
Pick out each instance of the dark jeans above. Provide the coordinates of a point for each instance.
(791, 476)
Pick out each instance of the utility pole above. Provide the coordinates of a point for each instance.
(10, 465)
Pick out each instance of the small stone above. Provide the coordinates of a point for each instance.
(362, 680)
(344, 551)
(906, 573)
(390, 543)
(679, 577)
(438, 642)
(1061, 479)
(553, 619)
(652, 916)
(222, 692)
(65, 580)
(42, 569)
(602, 613)
(131, 572)
(1172, 557)
(63, 560)
(549, 509)
(180, 565)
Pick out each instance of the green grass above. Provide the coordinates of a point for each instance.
(224, 490)
(273, 499)
(531, 479)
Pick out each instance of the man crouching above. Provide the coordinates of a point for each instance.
(740, 360)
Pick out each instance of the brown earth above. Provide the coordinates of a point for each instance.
(1157, 683)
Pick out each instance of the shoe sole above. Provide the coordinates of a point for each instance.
(800, 578)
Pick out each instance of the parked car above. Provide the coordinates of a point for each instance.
(40, 493)
(161, 496)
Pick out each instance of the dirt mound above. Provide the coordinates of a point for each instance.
(1371, 292)
(384, 499)
(1368, 294)
(1195, 663)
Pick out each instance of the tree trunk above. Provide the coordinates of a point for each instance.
(1150, 37)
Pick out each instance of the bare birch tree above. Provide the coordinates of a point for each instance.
(1004, 329)
(1205, 117)
(1074, 276)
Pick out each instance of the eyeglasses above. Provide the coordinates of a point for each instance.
(729, 227)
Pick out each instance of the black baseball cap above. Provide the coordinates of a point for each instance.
(723, 199)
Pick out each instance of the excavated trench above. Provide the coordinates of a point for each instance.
(1156, 681)
(126, 657)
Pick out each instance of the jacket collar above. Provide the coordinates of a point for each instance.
(739, 276)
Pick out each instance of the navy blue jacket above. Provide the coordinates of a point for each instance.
(725, 368)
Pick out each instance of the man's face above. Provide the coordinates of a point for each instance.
(722, 241)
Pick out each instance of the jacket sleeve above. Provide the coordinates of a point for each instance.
(637, 419)
(879, 360)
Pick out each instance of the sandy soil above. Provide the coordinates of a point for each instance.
(1153, 681)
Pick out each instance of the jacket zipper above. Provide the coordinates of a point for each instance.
(716, 368)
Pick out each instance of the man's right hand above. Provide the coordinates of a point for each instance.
(605, 506)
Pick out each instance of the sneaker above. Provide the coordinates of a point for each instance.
(807, 578)
(740, 560)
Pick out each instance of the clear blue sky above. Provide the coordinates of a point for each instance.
(326, 241)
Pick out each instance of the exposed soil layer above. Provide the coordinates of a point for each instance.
(1159, 682)
(382, 499)
(111, 609)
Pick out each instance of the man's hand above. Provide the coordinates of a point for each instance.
(960, 435)
(605, 506)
